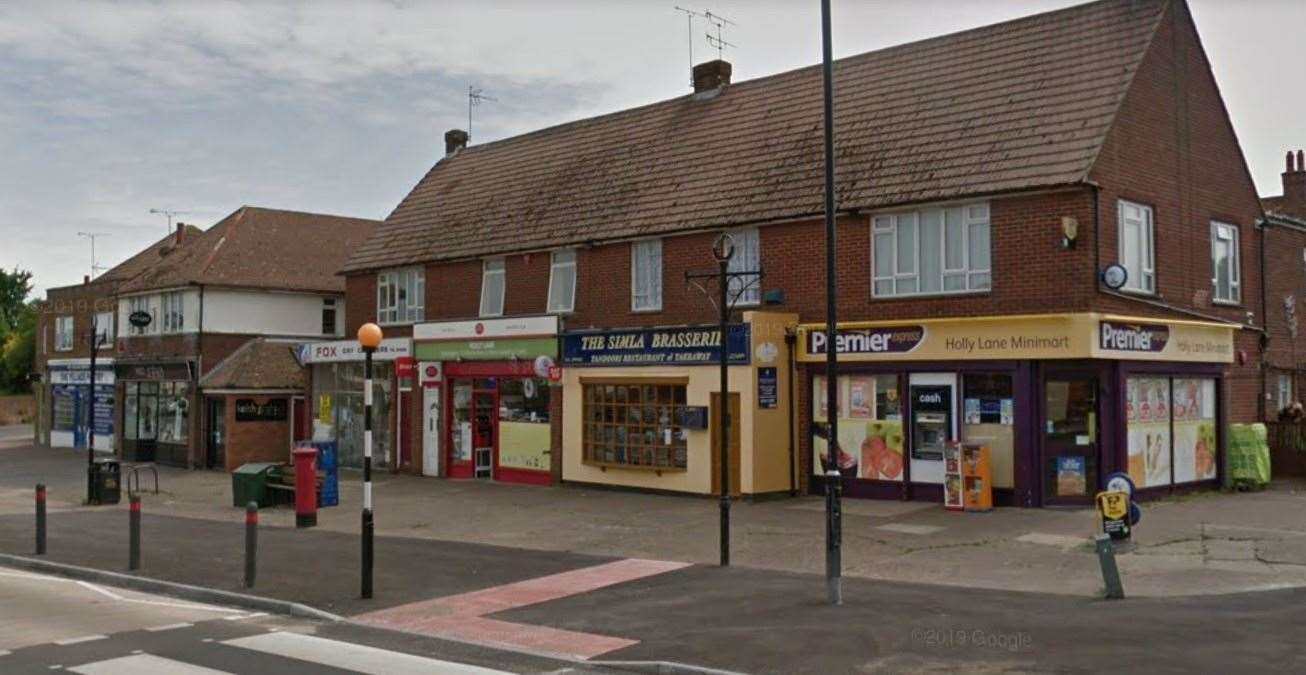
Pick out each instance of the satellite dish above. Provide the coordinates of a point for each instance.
(1115, 276)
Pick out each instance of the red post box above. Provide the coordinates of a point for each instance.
(305, 486)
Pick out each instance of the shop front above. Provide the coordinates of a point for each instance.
(335, 408)
(487, 398)
(157, 400)
(1061, 401)
(642, 407)
(77, 410)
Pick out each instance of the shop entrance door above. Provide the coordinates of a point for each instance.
(431, 431)
(1069, 463)
(485, 427)
(217, 441)
(734, 444)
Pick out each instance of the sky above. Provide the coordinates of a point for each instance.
(109, 110)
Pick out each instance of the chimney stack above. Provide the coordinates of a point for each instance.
(181, 233)
(86, 279)
(454, 140)
(711, 75)
(1294, 185)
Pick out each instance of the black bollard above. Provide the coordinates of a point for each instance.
(1106, 556)
(134, 534)
(251, 542)
(367, 554)
(40, 519)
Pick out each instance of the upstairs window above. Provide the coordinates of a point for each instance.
(328, 316)
(493, 284)
(646, 275)
(937, 251)
(562, 281)
(141, 303)
(104, 327)
(1226, 277)
(63, 334)
(400, 296)
(1137, 255)
(746, 290)
(174, 317)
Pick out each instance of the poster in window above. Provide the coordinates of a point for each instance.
(860, 397)
(868, 448)
(1071, 476)
(1148, 430)
(1194, 430)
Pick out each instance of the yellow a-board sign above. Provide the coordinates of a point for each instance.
(1113, 505)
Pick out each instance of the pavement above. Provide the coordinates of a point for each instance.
(51, 623)
(15, 432)
(600, 577)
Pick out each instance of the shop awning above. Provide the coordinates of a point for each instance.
(1085, 335)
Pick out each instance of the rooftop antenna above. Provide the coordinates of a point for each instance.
(475, 97)
(170, 213)
(95, 268)
(689, 26)
(718, 41)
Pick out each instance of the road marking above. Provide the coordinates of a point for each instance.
(79, 640)
(144, 664)
(171, 626)
(906, 528)
(160, 603)
(5, 652)
(97, 589)
(242, 617)
(349, 656)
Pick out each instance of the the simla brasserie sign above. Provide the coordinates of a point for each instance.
(691, 345)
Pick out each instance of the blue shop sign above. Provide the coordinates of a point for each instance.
(685, 346)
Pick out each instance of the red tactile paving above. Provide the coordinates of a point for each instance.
(461, 617)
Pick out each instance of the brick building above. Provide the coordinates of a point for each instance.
(258, 273)
(1047, 246)
(1284, 262)
(64, 330)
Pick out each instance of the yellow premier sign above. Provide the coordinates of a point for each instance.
(1086, 335)
(1113, 505)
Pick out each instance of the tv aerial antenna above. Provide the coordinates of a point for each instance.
(718, 40)
(170, 214)
(475, 97)
(95, 267)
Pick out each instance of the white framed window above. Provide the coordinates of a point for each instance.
(494, 283)
(141, 303)
(1284, 394)
(646, 275)
(171, 307)
(63, 334)
(1226, 272)
(562, 281)
(746, 290)
(104, 326)
(936, 251)
(1137, 253)
(401, 296)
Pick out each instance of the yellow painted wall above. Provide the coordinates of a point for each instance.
(765, 461)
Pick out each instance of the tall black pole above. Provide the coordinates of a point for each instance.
(724, 262)
(833, 527)
(367, 472)
(90, 418)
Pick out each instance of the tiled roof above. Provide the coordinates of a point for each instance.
(258, 364)
(263, 248)
(1018, 105)
(157, 252)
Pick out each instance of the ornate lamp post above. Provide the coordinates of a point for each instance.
(369, 338)
(723, 249)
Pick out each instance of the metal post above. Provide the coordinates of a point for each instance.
(833, 529)
(725, 414)
(367, 472)
(251, 543)
(1106, 557)
(134, 533)
(40, 519)
(90, 416)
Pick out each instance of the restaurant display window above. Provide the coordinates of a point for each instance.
(635, 425)
(870, 427)
(988, 418)
(1171, 430)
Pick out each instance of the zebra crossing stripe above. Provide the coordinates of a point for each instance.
(143, 664)
(348, 656)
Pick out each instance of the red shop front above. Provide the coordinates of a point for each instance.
(497, 415)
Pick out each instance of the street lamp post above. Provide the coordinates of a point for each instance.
(723, 249)
(369, 338)
(833, 517)
(90, 417)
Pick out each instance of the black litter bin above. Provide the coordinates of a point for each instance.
(106, 481)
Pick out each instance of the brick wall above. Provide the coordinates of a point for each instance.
(1284, 248)
(255, 441)
(82, 303)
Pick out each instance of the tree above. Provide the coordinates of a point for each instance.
(14, 287)
(18, 353)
